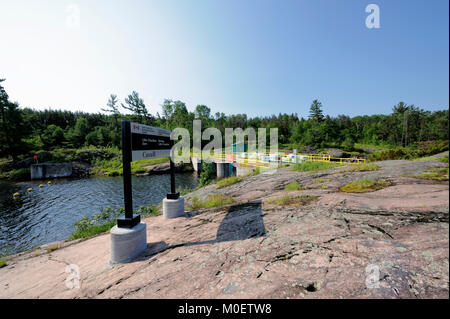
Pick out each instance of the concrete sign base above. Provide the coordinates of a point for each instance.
(173, 208)
(127, 243)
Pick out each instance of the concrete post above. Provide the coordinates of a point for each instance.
(222, 170)
(173, 208)
(127, 243)
(197, 164)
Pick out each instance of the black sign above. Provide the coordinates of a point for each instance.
(142, 142)
(149, 142)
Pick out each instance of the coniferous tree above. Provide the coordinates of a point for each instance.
(315, 111)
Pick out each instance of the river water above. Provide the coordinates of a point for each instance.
(48, 214)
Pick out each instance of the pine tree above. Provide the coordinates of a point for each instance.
(315, 111)
(136, 105)
(112, 106)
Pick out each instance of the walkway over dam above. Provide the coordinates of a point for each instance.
(243, 163)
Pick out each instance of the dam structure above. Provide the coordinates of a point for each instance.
(235, 163)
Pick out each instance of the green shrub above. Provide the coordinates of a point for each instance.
(421, 149)
(348, 144)
(111, 167)
(443, 159)
(105, 220)
(59, 157)
(5, 164)
(147, 211)
(92, 154)
(21, 174)
(207, 175)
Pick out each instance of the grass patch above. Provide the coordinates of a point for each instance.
(184, 191)
(137, 167)
(436, 173)
(361, 168)
(214, 200)
(293, 186)
(21, 174)
(318, 181)
(443, 159)
(288, 200)
(53, 248)
(105, 220)
(364, 186)
(314, 166)
(113, 166)
(3, 260)
(92, 230)
(109, 167)
(256, 171)
(418, 150)
(224, 182)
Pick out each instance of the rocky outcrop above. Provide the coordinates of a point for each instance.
(392, 243)
(81, 170)
(335, 152)
(26, 163)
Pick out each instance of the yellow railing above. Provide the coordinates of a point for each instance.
(265, 160)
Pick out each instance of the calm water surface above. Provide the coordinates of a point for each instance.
(48, 214)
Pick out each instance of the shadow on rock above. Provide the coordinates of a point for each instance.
(242, 221)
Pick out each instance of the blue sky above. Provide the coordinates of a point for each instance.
(256, 57)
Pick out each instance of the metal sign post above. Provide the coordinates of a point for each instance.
(142, 142)
(172, 194)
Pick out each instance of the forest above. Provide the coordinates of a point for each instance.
(26, 131)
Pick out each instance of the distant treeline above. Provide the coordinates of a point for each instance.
(24, 131)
